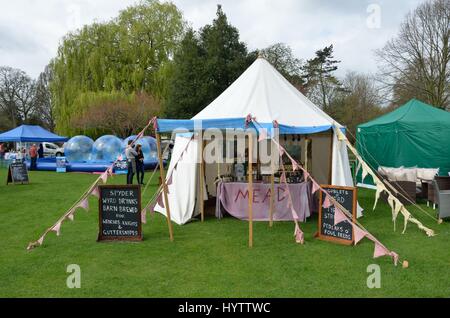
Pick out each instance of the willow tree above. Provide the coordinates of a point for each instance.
(128, 54)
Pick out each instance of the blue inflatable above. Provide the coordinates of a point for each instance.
(107, 149)
(78, 149)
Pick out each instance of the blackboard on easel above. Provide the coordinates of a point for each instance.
(342, 232)
(120, 213)
(17, 173)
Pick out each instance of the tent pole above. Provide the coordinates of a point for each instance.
(331, 159)
(202, 180)
(272, 190)
(250, 190)
(163, 180)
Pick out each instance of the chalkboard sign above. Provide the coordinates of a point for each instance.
(17, 173)
(343, 232)
(120, 213)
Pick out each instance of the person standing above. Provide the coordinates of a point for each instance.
(131, 154)
(140, 167)
(41, 151)
(2, 151)
(33, 152)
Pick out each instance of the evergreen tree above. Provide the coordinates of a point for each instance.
(320, 83)
(205, 66)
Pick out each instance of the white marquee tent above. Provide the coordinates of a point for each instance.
(265, 94)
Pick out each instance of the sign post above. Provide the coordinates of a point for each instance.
(17, 173)
(120, 213)
(342, 232)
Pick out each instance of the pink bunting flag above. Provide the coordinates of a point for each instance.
(104, 176)
(306, 175)
(394, 257)
(41, 240)
(262, 134)
(95, 192)
(299, 235)
(358, 233)
(294, 213)
(283, 178)
(57, 228)
(315, 187)
(339, 216)
(169, 181)
(144, 216)
(70, 216)
(380, 250)
(160, 200)
(326, 203)
(295, 165)
(282, 151)
(84, 204)
(110, 171)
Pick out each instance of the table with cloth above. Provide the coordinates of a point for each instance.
(233, 198)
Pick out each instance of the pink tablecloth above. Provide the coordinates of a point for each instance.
(233, 197)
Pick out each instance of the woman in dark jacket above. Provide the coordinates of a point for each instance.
(140, 168)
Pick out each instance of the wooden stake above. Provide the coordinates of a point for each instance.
(250, 190)
(272, 190)
(202, 179)
(163, 180)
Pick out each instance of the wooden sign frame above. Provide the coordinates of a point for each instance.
(320, 236)
(10, 179)
(102, 238)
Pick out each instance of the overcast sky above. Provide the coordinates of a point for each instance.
(30, 30)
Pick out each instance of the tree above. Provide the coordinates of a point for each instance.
(320, 83)
(129, 53)
(114, 113)
(17, 90)
(416, 62)
(185, 98)
(281, 57)
(43, 100)
(357, 102)
(205, 65)
(226, 56)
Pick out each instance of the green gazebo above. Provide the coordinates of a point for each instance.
(415, 134)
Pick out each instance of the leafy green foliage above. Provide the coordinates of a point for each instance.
(128, 54)
(206, 64)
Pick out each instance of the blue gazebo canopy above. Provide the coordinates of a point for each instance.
(30, 133)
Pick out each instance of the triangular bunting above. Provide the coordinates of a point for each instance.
(104, 177)
(41, 240)
(283, 177)
(299, 235)
(358, 233)
(394, 257)
(380, 250)
(315, 187)
(326, 203)
(339, 216)
(84, 204)
(160, 200)
(95, 192)
(57, 228)
(169, 181)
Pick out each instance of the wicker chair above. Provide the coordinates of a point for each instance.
(442, 194)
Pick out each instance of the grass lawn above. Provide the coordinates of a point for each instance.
(205, 260)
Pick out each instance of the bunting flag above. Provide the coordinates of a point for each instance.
(70, 215)
(364, 173)
(380, 189)
(406, 218)
(394, 257)
(95, 192)
(380, 250)
(283, 177)
(282, 151)
(169, 181)
(110, 170)
(339, 216)
(57, 228)
(315, 187)
(144, 216)
(326, 202)
(295, 166)
(160, 200)
(84, 204)
(104, 177)
(41, 240)
(294, 213)
(299, 235)
(262, 134)
(359, 233)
